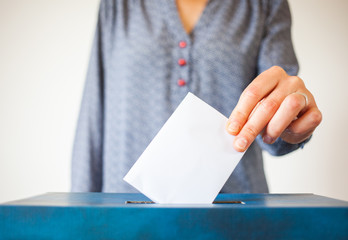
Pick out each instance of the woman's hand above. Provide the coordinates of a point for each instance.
(275, 105)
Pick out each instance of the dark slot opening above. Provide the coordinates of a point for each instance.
(228, 202)
(215, 202)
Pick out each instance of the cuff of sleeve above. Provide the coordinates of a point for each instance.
(280, 147)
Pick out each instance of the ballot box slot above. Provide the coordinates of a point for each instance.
(215, 202)
(228, 202)
(139, 202)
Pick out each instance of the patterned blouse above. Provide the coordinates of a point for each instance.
(142, 65)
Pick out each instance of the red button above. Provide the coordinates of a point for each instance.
(181, 82)
(182, 62)
(182, 44)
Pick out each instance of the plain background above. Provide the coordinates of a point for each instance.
(44, 51)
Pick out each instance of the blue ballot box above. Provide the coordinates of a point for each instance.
(127, 216)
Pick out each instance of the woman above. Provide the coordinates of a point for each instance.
(148, 54)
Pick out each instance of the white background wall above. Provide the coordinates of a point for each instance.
(44, 50)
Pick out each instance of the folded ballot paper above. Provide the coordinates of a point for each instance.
(190, 158)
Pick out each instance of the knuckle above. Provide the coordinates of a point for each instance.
(278, 70)
(251, 131)
(270, 105)
(293, 103)
(295, 81)
(253, 92)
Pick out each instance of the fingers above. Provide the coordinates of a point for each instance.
(303, 127)
(278, 121)
(290, 108)
(251, 96)
(262, 114)
(269, 106)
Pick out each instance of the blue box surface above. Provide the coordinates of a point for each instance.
(107, 216)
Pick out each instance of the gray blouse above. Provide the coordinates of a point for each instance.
(142, 65)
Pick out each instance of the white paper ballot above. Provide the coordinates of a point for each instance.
(190, 158)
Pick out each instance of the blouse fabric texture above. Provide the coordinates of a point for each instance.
(143, 64)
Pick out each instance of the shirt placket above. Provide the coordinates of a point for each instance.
(181, 51)
(183, 63)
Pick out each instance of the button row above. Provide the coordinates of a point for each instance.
(182, 62)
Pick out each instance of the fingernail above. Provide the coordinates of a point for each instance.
(233, 127)
(241, 143)
(267, 139)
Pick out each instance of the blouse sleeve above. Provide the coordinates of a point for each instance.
(277, 49)
(87, 155)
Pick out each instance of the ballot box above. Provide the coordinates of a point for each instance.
(133, 216)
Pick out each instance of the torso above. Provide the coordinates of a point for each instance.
(139, 50)
(142, 73)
